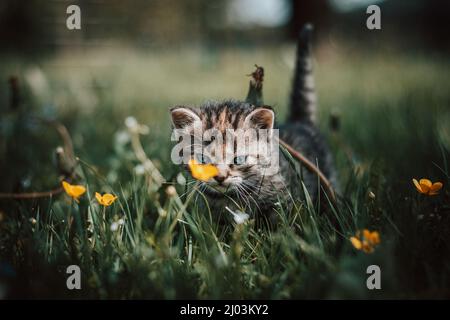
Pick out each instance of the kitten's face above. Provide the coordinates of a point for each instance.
(216, 129)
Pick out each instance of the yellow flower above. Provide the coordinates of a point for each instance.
(202, 172)
(74, 191)
(373, 237)
(425, 186)
(367, 242)
(105, 200)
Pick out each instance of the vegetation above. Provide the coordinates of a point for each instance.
(390, 124)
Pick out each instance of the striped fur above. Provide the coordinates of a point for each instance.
(303, 96)
(248, 184)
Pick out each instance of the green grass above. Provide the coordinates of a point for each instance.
(394, 115)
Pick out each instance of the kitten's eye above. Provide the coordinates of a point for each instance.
(240, 160)
(202, 158)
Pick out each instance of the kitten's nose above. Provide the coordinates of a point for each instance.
(219, 179)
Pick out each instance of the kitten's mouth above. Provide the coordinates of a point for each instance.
(218, 191)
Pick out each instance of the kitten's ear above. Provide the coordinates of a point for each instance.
(183, 117)
(260, 118)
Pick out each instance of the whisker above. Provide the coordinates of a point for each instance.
(243, 187)
(244, 198)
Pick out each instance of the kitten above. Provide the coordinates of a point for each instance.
(244, 179)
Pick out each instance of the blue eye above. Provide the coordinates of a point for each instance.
(202, 158)
(240, 160)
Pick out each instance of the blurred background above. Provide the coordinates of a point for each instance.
(140, 57)
(35, 27)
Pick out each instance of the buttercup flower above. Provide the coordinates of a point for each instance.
(202, 172)
(367, 242)
(105, 200)
(425, 186)
(74, 191)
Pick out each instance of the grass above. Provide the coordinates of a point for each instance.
(393, 111)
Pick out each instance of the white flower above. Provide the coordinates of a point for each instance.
(114, 226)
(133, 126)
(139, 169)
(238, 216)
(121, 222)
(37, 81)
(122, 137)
(131, 122)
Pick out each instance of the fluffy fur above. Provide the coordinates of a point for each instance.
(245, 181)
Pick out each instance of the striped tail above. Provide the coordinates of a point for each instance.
(303, 96)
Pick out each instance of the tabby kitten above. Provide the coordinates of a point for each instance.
(245, 181)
